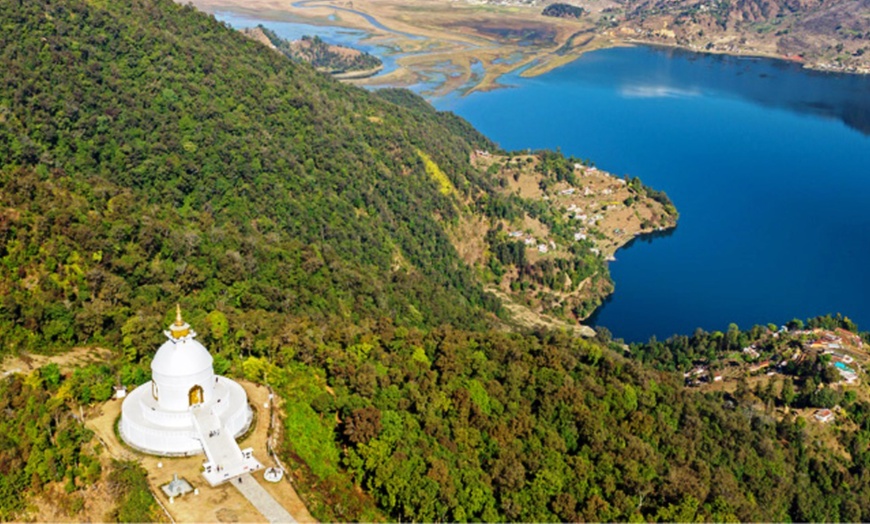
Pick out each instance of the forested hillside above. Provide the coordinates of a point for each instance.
(325, 57)
(151, 154)
(451, 425)
(45, 451)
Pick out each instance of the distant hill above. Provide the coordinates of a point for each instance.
(563, 11)
(333, 59)
(831, 34)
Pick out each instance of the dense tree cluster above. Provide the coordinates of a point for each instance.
(563, 11)
(40, 440)
(455, 425)
(659, 196)
(128, 484)
(43, 443)
(680, 352)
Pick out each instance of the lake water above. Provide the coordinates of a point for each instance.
(768, 164)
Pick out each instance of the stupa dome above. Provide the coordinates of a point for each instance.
(181, 355)
(180, 358)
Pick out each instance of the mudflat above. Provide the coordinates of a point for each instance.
(468, 45)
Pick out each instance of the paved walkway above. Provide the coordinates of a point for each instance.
(262, 500)
(225, 459)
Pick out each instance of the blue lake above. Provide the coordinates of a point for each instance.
(768, 164)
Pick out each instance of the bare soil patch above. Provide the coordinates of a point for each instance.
(27, 362)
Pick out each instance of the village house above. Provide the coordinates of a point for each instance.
(760, 366)
(824, 415)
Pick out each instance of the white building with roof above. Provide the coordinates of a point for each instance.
(186, 409)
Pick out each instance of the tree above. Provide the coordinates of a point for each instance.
(362, 425)
(787, 393)
(51, 374)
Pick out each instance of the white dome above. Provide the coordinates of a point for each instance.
(180, 358)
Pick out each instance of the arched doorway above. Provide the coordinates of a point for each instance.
(194, 396)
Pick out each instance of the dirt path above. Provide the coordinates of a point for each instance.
(527, 318)
(25, 363)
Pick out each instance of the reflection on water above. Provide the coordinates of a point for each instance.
(769, 82)
(652, 91)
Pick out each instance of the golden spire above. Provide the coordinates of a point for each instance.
(179, 328)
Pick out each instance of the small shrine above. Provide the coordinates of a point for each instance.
(186, 409)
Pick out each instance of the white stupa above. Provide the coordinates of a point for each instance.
(186, 409)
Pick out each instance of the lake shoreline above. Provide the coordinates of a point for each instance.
(739, 145)
(748, 53)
